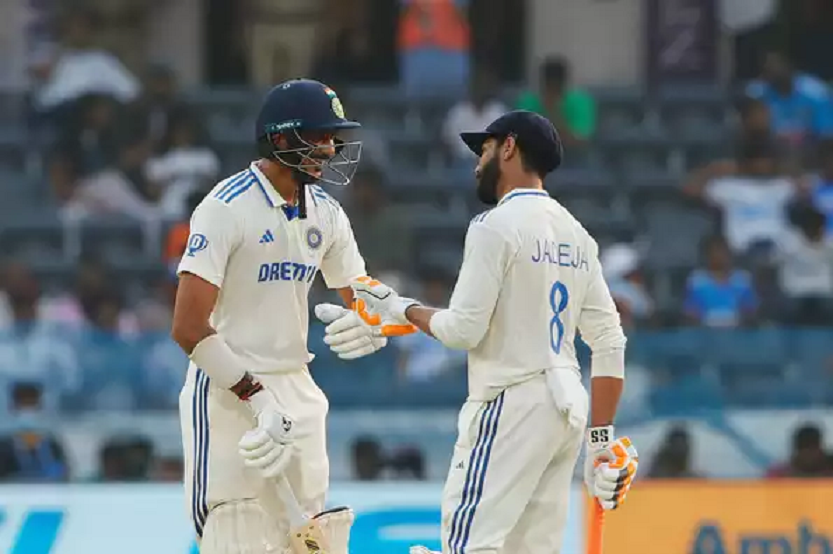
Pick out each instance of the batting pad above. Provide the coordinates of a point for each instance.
(336, 524)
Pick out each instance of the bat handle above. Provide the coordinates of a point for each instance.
(296, 514)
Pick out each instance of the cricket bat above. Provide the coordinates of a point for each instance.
(595, 533)
(305, 534)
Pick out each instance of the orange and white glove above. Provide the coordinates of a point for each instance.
(347, 334)
(610, 466)
(382, 308)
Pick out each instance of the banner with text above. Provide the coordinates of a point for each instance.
(137, 519)
(719, 517)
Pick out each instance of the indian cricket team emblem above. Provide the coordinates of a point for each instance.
(314, 238)
(335, 103)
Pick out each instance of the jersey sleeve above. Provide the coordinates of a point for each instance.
(486, 259)
(601, 327)
(342, 262)
(214, 235)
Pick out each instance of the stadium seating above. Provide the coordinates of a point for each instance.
(627, 187)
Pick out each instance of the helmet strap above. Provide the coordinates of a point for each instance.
(302, 179)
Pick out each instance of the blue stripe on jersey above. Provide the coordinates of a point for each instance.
(319, 194)
(231, 182)
(199, 422)
(480, 217)
(240, 185)
(521, 192)
(463, 518)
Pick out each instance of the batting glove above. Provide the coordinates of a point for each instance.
(347, 334)
(610, 466)
(268, 447)
(382, 307)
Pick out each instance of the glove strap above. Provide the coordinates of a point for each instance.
(600, 437)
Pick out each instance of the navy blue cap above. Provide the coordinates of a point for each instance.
(535, 135)
(301, 104)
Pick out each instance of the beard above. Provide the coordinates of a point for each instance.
(487, 182)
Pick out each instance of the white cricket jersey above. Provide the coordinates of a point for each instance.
(530, 277)
(247, 241)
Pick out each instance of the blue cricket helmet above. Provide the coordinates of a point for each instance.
(300, 107)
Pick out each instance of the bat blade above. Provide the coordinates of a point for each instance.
(308, 539)
(305, 534)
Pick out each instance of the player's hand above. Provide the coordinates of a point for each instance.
(610, 466)
(347, 334)
(382, 307)
(269, 446)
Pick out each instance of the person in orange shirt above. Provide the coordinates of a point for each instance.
(434, 41)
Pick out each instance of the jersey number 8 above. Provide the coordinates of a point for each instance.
(558, 303)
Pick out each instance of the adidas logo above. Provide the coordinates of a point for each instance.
(267, 237)
(460, 465)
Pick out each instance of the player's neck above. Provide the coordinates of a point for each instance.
(526, 182)
(280, 179)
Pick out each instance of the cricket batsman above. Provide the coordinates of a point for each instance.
(250, 411)
(530, 279)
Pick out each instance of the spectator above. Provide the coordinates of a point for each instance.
(382, 229)
(421, 358)
(799, 103)
(126, 459)
(31, 453)
(719, 295)
(152, 114)
(822, 185)
(92, 281)
(177, 239)
(121, 190)
(168, 469)
(30, 344)
(407, 463)
(751, 194)
(571, 109)
(621, 267)
(20, 299)
(81, 69)
(350, 59)
(806, 269)
(434, 42)
(808, 458)
(368, 459)
(673, 460)
(87, 146)
(475, 112)
(187, 164)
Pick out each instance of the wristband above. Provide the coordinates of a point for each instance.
(600, 437)
(246, 387)
(214, 356)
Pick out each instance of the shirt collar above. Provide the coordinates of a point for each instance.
(522, 192)
(273, 197)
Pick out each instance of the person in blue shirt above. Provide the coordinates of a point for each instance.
(799, 103)
(719, 295)
(822, 186)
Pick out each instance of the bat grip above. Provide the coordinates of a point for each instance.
(296, 514)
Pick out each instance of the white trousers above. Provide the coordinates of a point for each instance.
(221, 492)
(508, 488)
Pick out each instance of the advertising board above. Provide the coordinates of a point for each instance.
(137, 519)
(724, 517)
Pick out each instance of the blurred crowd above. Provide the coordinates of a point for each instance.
(121, 143)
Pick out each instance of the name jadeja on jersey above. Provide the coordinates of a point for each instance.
(560, 253)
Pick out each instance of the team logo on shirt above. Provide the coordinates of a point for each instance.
(314, 238)
(196, 243)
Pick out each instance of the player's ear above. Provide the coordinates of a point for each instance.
(509, 148)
